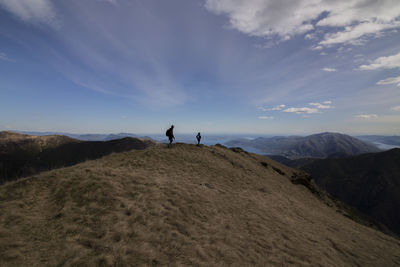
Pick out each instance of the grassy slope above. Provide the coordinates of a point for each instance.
(186, 205)
(24, 155)
(368, 182)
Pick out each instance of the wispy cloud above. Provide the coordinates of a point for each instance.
(324, 105)
(315, 108)
(396, 108)
(329, 69)
(352, 21)
(389, 62)
(303, 110)
(36, 11)
(279, 107)
(3, 56)
(265, 117)
(353, 34)
(391, 80)
(367, 116)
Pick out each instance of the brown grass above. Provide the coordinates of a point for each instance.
(189, 205)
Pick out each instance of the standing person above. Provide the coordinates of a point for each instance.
(170, 134)
(198, 136)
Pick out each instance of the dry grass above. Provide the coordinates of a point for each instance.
(189, 205)
(10, 141)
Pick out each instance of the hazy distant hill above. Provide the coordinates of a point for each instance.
(318, 145)
(368, 182)
(86, 137)
(22, 155)
(184, 206)
(383, 139)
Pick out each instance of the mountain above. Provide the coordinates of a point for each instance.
(316, 146)
(86, 137)
(188, 205)
(382, 141)
(368, 182)
(23, 155)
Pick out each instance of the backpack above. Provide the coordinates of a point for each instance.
(168, 132)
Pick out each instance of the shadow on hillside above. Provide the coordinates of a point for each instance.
(23, 162)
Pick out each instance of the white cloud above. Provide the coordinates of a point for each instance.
(3, 56)
(309, 36)
(317, 47)
(279, 107)
(304, 110)
(324, 105)
(41, 11)
(353, 34)
(389, 62)
(352, 21)
(329, 69)
(396, 108)
(391, 80)
(265, 117)
(367, 116)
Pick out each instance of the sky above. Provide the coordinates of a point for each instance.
(214, 66)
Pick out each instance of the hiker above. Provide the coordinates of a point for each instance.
(170, 134)
(198, 136)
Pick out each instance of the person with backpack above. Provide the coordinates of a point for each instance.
(170, 134)
(198, 137)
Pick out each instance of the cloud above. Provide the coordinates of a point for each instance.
(329, 69)
(304, 110)
(343, 22)
(324, 105)
(3, 56)
(367, 116)
(396, 108)
(389, 62)
(353, 34)
(279, 107)
(265, 117)
(391, 80)
(37, 11)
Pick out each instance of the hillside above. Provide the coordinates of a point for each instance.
(316, 146)
(11, 142)
(22, 155)
(189, 205)
(368, 182)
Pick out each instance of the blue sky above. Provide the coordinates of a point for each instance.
(215, 66)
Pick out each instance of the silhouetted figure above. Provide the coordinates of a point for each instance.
(198, 136)
(170, 134)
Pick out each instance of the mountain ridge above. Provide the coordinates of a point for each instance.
(317, 145)
(188, 205)
(22, 155)
(369, 182)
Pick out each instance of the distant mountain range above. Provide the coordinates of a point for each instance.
(22, 155)
(316, 146)
(87, 137)
(382, 141)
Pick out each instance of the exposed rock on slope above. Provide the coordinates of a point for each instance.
(188, 205)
